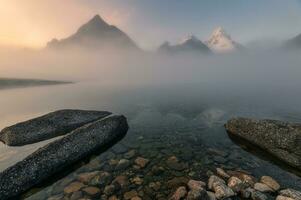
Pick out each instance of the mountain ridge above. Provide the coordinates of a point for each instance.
(188, 45)
(94, 34)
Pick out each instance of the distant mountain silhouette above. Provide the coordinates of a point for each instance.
(95, 34)
(294, 43)
(189, 45)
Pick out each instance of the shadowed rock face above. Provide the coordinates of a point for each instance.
(280, 139)
(56, 156)
(48, 126)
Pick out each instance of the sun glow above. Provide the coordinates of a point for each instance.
(32, 23)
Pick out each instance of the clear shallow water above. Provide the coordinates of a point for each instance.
(185, 121)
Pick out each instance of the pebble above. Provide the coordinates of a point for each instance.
(222, 173)
(279, 197)
(123, 164)
(86, 177)
(197, 194)
(73, 187)
(155, 185)
(173, 163)
(91, 190)
(244, 177)
(137, 180)
(109, 190)
(177, 181)
(179, 193)
(121, 180)
(114, 197)
(196, 185)
(294, 194)
(256, 195)
(76, 195)
(211, 195)
(246, 193)
(235, 184)
(214, 179)
(130, 195)
(157, 170)
(101, 179)
(262, 187)
(222, 191)
(269, 181)
(141, 162)
(130, 154)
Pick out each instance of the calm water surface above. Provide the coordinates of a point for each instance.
(185, 121)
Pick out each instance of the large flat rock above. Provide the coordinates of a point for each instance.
(281, 140)
(48, 126)
(58, 155)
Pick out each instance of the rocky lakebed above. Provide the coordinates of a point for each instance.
(94, 158)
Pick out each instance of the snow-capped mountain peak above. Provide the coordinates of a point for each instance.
(221, 41)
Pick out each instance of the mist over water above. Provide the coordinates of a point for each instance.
(157, 93)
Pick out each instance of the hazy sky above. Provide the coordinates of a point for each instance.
(149, 22)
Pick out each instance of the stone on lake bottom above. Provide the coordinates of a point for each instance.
(279, 197)
(141, 162)
(235, 184)
(179, 193)
(269, 181)
(222, 173)
(262, 187)
(91, 190)
(130, 195)
(73, 187)
(196, 185)
(294, 194)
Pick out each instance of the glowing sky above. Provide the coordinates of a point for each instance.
(149, 22)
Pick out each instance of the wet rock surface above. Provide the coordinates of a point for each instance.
(48, 126)
(56, 156)
(280, 139)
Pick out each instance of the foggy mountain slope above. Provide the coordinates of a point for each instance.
(96, 34)
(294, 43)
(190, 44)
(221, 42)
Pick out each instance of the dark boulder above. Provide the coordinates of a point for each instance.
(58, 155)
(281, 140)
(48, 126)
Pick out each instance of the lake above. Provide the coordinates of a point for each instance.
(181, 120)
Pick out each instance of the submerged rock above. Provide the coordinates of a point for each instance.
(269, 181)
(262, 187)
(58, 155)
(48, 126)
(294, 194)
(220, 188)
(179, 194)
(280, 139)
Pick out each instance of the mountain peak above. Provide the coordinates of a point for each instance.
(189, 38)
(96, 33)
(189, 44)
(220, 32)
(96, 21)
(221, 41)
